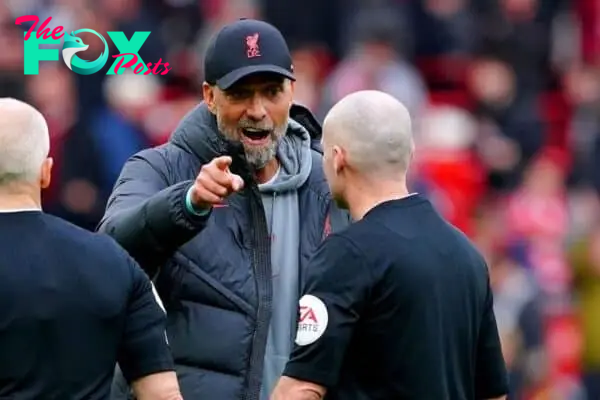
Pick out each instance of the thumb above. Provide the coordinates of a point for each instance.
(237, 183)
(223, 162)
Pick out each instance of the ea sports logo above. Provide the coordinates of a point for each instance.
(308, 316)
(312, 320)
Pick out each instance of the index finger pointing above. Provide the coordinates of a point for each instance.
(223, 162)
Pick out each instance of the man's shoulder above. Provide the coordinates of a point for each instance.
(348, 242)
(83, 242)
(354, 237)
(195, 136)
(168, 160)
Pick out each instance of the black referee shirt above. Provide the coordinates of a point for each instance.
(399, 307)
(73, 305)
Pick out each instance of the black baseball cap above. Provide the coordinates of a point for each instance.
(243, 48)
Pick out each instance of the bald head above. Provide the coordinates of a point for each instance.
(24, 142)
(374, 129)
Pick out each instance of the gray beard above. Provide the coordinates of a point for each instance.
(258, 158)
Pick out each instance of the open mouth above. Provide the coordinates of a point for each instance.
(256, 136)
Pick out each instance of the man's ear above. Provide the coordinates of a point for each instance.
(339, 159)
(208, 93)
(46, 173)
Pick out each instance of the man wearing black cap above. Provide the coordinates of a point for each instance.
(226, 215)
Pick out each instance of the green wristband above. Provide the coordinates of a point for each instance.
(190, 207)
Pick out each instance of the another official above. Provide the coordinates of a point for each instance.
(399, 305)
(73, 302)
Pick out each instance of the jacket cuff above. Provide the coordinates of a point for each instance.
(167, 209)
(203, 212)
(192, 216)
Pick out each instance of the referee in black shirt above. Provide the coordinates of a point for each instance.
(399, 305)
(73, 302)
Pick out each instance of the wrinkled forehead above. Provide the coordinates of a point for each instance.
(257, 82)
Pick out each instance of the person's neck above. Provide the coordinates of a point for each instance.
(268, 172)
(366, 195)
(17, 200)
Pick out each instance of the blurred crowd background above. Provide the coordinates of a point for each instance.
(505, 96)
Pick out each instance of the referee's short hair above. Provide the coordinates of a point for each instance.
(24, 142)
(374, 128)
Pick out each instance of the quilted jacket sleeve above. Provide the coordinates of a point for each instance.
(146, 215)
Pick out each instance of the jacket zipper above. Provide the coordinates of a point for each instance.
(261, 263)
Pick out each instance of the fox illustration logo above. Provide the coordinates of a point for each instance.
(73, 45)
